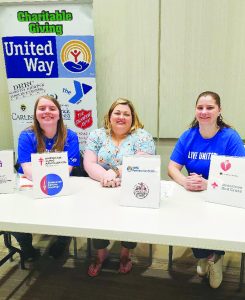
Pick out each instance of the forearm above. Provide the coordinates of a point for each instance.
(27, 170)
(177, 176)
(95, 171)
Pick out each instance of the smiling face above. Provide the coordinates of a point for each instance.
(121, 119)
(47, 113)
(207, 111)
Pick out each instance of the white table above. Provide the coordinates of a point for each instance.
(184, 219)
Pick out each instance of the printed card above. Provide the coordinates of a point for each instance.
(7, 178)
(226, 183)
(50, 174)
(141, 181)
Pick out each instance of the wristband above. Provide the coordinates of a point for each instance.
(116, 170)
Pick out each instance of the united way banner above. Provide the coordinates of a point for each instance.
(49, 49)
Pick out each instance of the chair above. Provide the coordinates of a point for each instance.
(12, 250)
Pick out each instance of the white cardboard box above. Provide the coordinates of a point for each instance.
(226, 183)
(141, 181)
(7, 177)
(50, 174)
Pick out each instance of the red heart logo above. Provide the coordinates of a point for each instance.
(225, 165)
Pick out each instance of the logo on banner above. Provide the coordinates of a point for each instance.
(83, 118)
(80, 91)
(51, 184)
(23, 107)
(76, 56)
(35, 56)
(225, 165)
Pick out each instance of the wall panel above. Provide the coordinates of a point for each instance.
(202, 48)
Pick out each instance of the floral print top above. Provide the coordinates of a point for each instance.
(109, 155)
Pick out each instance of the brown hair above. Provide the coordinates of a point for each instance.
(216, 97)
(135, 119)
(61, 129)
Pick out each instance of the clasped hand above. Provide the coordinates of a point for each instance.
(110, 179)
(195, 182)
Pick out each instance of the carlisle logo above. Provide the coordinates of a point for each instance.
(23, 107)
(76, 56)
(83, 118)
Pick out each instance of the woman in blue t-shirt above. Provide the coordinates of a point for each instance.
(47, 134)
(208, 135)
(122, 134)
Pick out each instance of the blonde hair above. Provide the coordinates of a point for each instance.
(136, 124)
(61, 129)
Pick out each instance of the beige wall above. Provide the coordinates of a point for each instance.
(162, 54)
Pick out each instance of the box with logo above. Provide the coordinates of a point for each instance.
(226, 183)
(141, 181)
(50, 174)
(7, 178)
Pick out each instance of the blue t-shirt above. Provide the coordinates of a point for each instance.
(109, 155)
(27, 144)
(194, 152)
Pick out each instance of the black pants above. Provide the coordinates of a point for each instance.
(25, 239)
(204, 253)
(101, 244)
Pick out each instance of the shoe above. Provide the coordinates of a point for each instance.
(95, 268)
(57, 249)
(202, 267)
(125, 265)
(30, 254)
(215, 272)
(101, 259)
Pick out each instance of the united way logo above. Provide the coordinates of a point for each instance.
(76, 56)
(83, 118)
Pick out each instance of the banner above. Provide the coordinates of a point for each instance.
(49, 49)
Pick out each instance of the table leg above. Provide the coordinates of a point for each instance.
(170, 257)
(150, 255)
(241, 271)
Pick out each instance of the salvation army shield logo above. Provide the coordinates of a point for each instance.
(83, 118)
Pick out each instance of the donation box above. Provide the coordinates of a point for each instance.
(50, 174)
(7, 177)
(226, 182)
(141, 181)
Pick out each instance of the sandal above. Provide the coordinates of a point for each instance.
(125, 265)
(95, 268)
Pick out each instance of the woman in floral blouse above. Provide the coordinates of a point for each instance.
(122, 134)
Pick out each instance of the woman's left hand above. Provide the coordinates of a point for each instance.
(110, 179)
(195, 182)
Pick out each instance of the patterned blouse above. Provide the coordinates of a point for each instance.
(109, 155)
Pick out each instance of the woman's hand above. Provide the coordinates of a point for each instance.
(195, 182)
(109, 179)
